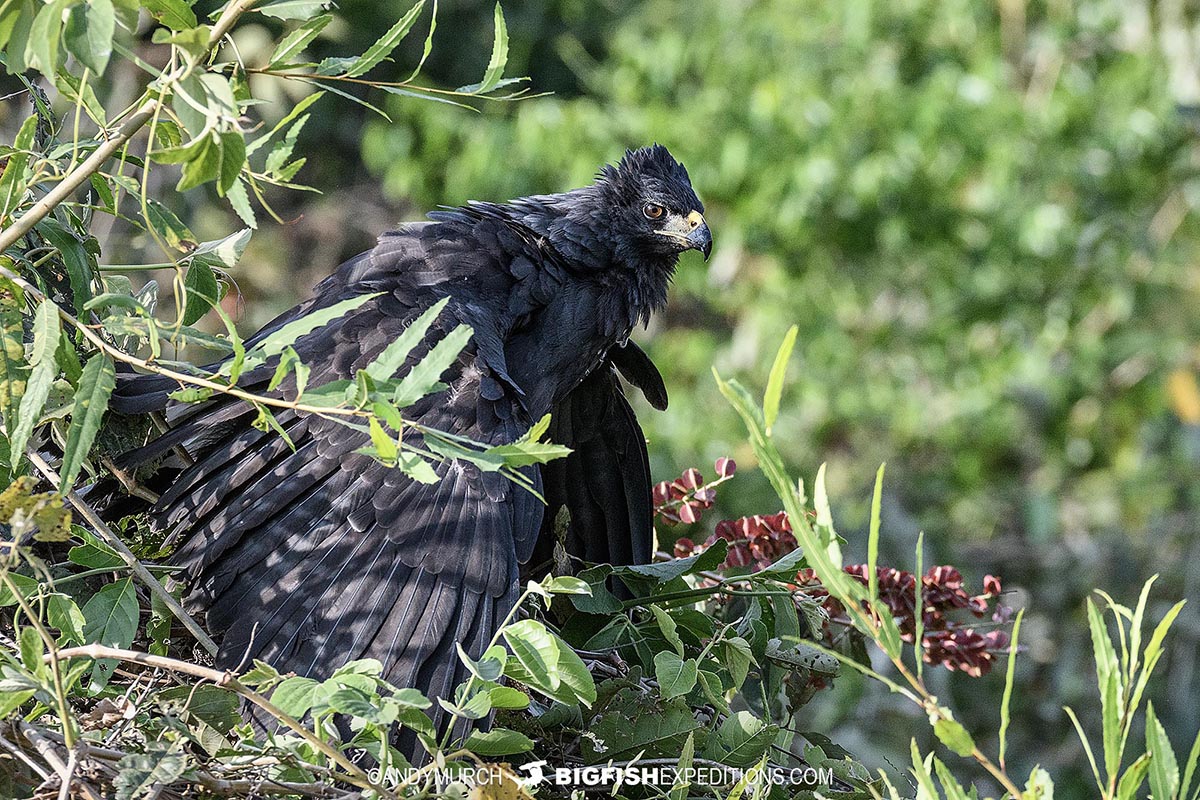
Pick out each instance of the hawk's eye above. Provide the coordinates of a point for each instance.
(653, 211)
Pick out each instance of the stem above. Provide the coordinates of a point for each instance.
(139, 569)
(227, 680)
(93, 163)
(60, 693)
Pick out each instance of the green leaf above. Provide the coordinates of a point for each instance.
(143, 774)
(1006, 701)
(168, 226)
(41, 51)
(384, 46)
(495, 67)
(667, 625)
(89, 34)
(535, 649)
(738, 659)
(295, 42)
(676, 676)
(91, 401)
(46, 334)
(175, 14)
(273, 343)
(356, 703)
(75, 258)
(666, 571)
(1133, 777)
(12, 181)
(1164, 769)
(775, 379)
(239, 200)
(423, 378)
(203, 163)
(294, 696)
(506, 697)
(31, 647)
(201, 290)
(293, 9)
(110, 618)
(232, 160)
(212, 705)
(498, 742)
(741, 740)
(63, 613)
(392, 357)
(951, 733)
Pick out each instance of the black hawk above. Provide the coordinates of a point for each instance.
(310, 557)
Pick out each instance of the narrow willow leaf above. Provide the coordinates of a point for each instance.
(1132, 780)
(495, 67)
(295, 42)
(873, 540)
(273, 343)
(46, 334)
(1164, 769)
(201, 292)
(1189, 770)
(424, 377)
(1006, 702)
(12, 181)
(91, 401)
(239, 201)
(76, 259)
(384, 46)
(775, 379)
(952, 734)
(13, 372)
(232, 160)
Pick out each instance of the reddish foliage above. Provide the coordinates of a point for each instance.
(759, 541)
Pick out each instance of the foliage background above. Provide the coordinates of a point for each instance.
(981, 215)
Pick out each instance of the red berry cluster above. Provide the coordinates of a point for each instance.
(683, 499)
(761, 540)
(945, 640)
(755, 542)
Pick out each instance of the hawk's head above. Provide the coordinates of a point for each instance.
(652, 208)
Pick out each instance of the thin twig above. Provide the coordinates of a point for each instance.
(47, 751)
(139, 569)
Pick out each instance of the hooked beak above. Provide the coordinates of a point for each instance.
(699, 237)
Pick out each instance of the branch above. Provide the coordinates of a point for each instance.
(226, 679)
(139, 569)
(93, 163)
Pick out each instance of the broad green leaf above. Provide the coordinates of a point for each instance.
(111, 619)
(63, 613)
(775, 379)
(1164, 769)
(41, 52)
(676, 676)
(498, 742)
(239, 201)
(741, 740)
(665, 571)
(168, 226)
(141, 775)
(423, 378)
(203, 165)
(232, 159)
(294, 696)
(535, 649)
(738, 659)
(201, 290)
(89, 34)
(213, 705)
(952, 734)
(46, 334)
(392, 357)
(295, 42)
(91, 401)
(384, 46)
(175, 14)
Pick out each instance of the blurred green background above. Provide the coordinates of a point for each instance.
(982, 215)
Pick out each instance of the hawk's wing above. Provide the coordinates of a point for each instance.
(312, 557)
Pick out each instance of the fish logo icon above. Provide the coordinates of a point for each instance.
(535, 773)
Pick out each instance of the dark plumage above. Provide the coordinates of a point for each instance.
(313, 557)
